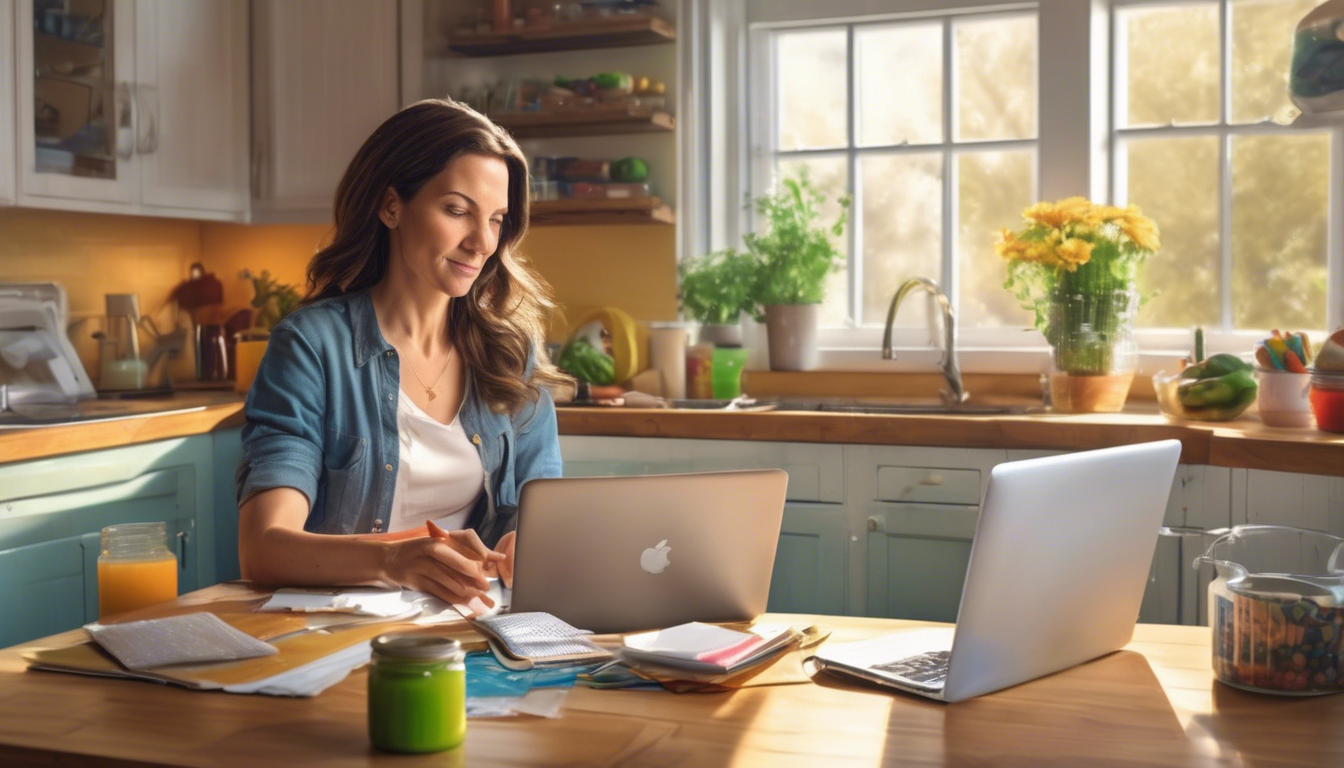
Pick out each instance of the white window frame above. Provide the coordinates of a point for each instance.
(1074, 156)
(1222, 338)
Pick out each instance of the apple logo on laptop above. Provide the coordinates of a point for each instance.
(654, 559)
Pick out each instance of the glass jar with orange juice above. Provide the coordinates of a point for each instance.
(135, 568)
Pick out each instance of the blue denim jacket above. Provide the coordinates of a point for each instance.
(322, 418)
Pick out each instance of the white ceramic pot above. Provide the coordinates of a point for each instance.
(1283, 398)
(725, 335)
(793, 336)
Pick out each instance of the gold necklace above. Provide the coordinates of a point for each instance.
(429, 390)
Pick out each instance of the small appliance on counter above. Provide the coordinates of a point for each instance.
(1276, 609)
(38, 365)
(120, 366)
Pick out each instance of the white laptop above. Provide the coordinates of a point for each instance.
(1057, 570)
(617, 554)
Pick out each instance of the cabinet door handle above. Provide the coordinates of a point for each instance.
(877, 524)
(932, 478)
(124, 127)
(182, 550)
(147, 105)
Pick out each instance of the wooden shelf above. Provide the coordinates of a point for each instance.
(598, 121)
(611, 32)
(579, 211)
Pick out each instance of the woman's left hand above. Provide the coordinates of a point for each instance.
(503, 567)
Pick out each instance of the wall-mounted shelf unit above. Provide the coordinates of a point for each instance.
(611, 32)
(581, 211)
(595, 122)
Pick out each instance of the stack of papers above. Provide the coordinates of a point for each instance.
(532, 639)
(706, 648)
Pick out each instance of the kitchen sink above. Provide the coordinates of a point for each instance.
(962, 409)
(860, 405)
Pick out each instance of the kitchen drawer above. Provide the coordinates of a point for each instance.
(930, 485)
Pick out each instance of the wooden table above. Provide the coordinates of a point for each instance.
(1154, 703)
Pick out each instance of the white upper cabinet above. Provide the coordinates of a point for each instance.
(7, 186)
(326, 74)
(133, 106)
(191, 87)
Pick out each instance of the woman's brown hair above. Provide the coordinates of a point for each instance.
(498, 328)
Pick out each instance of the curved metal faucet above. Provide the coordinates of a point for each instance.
(955, 392)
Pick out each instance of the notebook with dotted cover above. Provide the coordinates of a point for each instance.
(539, 639)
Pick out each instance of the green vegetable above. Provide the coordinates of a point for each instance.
(629, 169)
(1199, 344)
(1231, 390)
(1218, 365)
(586, 362)
(613, 80)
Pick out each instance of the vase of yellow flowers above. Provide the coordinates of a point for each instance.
(1074, 266)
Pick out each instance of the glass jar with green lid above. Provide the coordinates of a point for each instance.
(417, 693)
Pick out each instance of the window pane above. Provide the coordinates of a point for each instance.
(831, 176)
(1262, 41)
(992, 190)
(1173, 60)
(902, 225)
(810, 72)
(996, 78)
(899, 77)
(1175, 182)
(1280, 208)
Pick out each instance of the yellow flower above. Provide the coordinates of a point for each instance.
(1048, 214)
(1140, 229)
(1073, 252)
(1076, 210)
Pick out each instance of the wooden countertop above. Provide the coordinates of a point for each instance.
(1244, 443)
(186, 414)
(1154, 704)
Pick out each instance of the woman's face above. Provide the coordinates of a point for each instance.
(448, 230)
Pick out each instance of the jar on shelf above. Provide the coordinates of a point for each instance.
(135, 568)
(417, 693)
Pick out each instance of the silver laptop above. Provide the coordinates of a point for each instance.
(1057, 570)
(616, 554)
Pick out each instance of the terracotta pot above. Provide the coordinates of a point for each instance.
(1088, 392)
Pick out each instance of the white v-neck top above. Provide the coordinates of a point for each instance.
(440, 475)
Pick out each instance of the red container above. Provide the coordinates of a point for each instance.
(1327, 400)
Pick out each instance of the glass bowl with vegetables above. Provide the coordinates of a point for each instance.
(1220, 388)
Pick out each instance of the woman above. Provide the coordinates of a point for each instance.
(406, 389)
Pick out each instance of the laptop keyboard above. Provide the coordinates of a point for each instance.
(926, 671)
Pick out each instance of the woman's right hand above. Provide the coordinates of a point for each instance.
(452, 570)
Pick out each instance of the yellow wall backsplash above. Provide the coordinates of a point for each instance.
(632, 267)
(92, 255)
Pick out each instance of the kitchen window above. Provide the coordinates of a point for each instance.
(942, 120)
(928, 125)
(1198, 141)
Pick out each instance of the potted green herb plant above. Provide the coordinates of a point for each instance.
(796, 251)
(715, 291)
(273, 301)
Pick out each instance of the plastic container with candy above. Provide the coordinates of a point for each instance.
(1276, 608)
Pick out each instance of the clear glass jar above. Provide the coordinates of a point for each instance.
(135, 568)
(417, 693)
(1094, 353)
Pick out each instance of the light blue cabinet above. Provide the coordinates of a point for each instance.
(810, 562)
(52, 510)
(228, 450)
